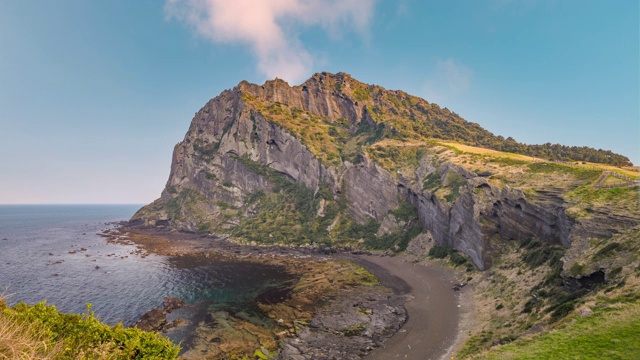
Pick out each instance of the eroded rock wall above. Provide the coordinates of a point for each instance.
(217, 166)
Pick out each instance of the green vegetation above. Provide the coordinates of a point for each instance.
(361, 94)
(288, 215)
(395, 158)
(536, 252)
(185, 205)
(397, 241)
(455, 257)
(40, 331)
(207, 151)
(610, 333)
(403, 117)
(579, 173)
(453, 182)
(588, 195)
(432, 182)
(550, 295)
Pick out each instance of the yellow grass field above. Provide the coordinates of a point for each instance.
(630, 171)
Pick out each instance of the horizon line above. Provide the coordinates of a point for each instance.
(59, 204)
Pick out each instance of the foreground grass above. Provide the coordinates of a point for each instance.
(41, 332)
(606, 334)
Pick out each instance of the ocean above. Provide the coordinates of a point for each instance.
(42, 259)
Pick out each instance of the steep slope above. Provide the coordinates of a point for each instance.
(337, 162)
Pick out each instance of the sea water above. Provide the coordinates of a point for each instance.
(41, 259)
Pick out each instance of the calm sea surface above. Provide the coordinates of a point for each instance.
(36, 265)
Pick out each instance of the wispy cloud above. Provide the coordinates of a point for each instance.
(270, 28)
(450, 79)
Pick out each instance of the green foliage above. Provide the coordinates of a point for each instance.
(366, 231)
(404, 117)
(394, 158)
(607, 250)
(361, 94)
(405, 211)
(506, 161)
(576, 269)
(455, 257)
(578, 172)
(536, 253)
(398, 241)
(432, 182)
(610, 333)
(454, 181)
(84, 336)
(260, 355)
(211, 176)
(288, 215)
(207, 151)
(184, 203)
(254, 166)
(475, 344)
(438, 252)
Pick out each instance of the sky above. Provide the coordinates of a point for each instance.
(95, 94)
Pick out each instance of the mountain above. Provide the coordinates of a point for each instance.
(339, 163)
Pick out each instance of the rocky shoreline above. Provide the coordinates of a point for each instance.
(335, 308)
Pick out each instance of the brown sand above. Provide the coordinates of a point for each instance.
(434, 315)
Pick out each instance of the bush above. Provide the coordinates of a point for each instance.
(438, 252)
(84, 336)
(457, 258)
(609, 248)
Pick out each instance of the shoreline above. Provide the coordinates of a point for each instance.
(433, 309)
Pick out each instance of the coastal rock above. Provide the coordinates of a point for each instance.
(352, 326)
(156, 319)
(420, 245)
(153, 320)
(317, 135)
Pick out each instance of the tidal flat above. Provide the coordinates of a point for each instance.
(321, 306)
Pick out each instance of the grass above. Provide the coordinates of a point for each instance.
(626, 200)
(484, 151)
(579, 173)
(394, 157)
(453, 182)
(21, 340)
(611, 333)
(41, 332)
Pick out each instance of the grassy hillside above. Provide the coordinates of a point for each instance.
(608, 333)
(401, 116)
(41, 332)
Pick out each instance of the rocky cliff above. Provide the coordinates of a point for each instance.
(334, 161)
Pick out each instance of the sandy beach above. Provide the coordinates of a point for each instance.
(434, 308)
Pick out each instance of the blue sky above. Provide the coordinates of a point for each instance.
(95, 94)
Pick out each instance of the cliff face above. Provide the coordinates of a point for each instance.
(330, 160)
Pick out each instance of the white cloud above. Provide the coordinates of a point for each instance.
(269, 27)
(449, 80)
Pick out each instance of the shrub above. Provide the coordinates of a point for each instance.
(609, 248)
(457, 258)
(438, 252)
(84, 336)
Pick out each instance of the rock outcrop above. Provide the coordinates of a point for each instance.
(343, 140)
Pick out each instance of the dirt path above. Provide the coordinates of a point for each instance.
(433, 308)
